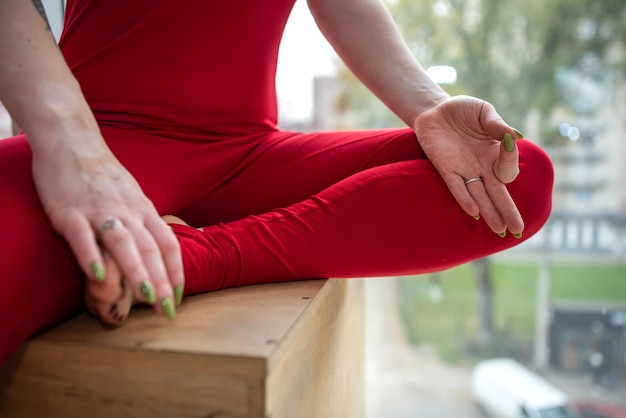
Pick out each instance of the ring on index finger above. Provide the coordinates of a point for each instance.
(110, 223)
(473, 179)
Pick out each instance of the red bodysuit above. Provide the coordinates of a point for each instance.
(184, 94)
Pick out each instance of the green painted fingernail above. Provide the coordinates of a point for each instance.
(168, 309)
(178, 294)
(502, 234)
(509, 144)
(477, 217)
(519, 134)
(148, 292)
(97, 271)
(518, 236)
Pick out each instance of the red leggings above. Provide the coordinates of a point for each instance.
(279, 206)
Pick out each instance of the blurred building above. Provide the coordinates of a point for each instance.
(590, 163)
(325, 117)
(590, 338)
(589, 204)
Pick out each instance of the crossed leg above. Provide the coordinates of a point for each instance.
(297, 214)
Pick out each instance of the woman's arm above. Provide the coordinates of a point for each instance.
(366, 38)
(35, 83)
(79, 181)
(463, 137)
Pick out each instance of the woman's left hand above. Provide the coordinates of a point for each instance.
(465, 138)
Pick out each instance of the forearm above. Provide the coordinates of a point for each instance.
(36, 85)
(368, 41)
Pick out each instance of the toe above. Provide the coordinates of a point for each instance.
(111, 312)
(110, 300)
(171, 219)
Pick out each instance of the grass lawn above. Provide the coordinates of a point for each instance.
(452, 320)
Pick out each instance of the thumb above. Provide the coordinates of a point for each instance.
(493, 124)
(506, 167)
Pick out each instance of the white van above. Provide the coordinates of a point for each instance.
(503, 388)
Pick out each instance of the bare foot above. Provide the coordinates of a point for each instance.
(111, 300)
(171, 219)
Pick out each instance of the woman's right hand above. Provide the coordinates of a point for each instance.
(88, 195)
(93, 202)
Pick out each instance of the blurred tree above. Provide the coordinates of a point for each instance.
(528, 58)
(521, 56)
(485, 300)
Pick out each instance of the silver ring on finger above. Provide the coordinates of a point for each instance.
(110, 223)
(473, 179)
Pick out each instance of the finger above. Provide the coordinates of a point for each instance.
(505, 206)
(111, 289)
(460, 193)
(506, 167)
(170, 250)
(487, 208)
(109, 301)
(493, 124)
(80, 236)
(153, 260)
(120, 243)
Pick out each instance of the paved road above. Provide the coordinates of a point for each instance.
(402, 383)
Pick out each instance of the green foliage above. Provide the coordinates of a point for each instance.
(451, 323)
(511, 52)
(359, 108)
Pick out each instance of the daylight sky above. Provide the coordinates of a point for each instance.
(304, 54)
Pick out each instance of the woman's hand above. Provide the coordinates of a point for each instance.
(465, 138)
(92, 200)
(109, 301)
(87, 194)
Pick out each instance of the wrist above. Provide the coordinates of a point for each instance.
(56, 119)
(52, 104)
(427, 101)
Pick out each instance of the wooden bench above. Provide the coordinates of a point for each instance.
(285, 350)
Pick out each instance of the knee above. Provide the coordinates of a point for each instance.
(532, 190)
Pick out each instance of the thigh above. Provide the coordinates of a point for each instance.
(172, 172)
(282, 168)
(176, 170)
(40, 283)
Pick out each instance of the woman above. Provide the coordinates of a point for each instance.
(170, 108)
